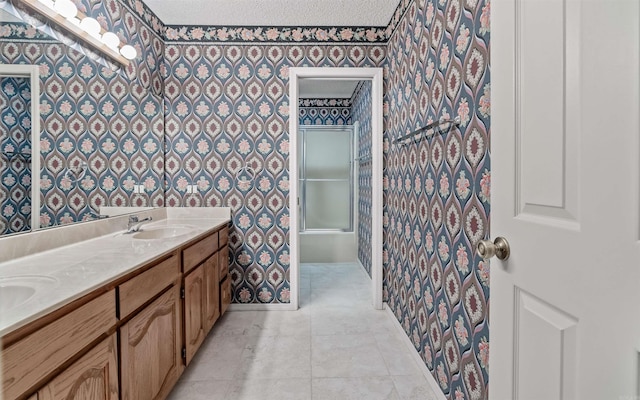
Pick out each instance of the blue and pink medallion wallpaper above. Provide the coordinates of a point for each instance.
(227, 106)
(437, 191)
(15, 159)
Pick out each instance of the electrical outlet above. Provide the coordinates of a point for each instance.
(192, 189)
(136, 189)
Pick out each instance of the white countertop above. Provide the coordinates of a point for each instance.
(66, 273)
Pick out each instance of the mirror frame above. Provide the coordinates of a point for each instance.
(32, 73)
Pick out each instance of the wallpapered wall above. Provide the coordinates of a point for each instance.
(15, 170)
(111, 120)
(324, 111)
(362, 113)
(227, 107)
(437, 191)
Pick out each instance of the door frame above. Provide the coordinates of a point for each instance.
(336, 73)
(32, 73)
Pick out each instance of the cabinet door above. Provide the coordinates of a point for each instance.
(212, 292)
(225, 295)
(150, 345)
(223, 262)
(93, 377)
(194, 318)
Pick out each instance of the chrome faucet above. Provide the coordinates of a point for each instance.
(134, 223)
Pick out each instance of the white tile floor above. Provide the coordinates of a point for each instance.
(335, 347)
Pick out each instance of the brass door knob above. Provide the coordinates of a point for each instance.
(499, 248)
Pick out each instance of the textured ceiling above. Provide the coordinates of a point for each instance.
(274, 12)
(326, 88)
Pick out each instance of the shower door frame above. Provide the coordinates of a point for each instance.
(374, 75)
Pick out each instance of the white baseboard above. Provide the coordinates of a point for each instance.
(362, 266)
(261, 307)
(423, 367)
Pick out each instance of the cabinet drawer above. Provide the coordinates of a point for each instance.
(196, 253)
(142, 288)
(28, 361)
(225, 295)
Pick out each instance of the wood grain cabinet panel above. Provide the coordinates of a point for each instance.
(92, 377)
(150, 349)
(194, 313)
(223, 262)
(197, 253)
(142, 288)
(212, 292)
(223, 237)
(55, 344)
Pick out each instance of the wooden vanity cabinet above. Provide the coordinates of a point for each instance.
(127, 340)
(41, 354)
(94, 376)
(151, 340)
(201, 266)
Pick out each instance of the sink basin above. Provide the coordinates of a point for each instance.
(162, 232)
(14, 295)
(15, 291)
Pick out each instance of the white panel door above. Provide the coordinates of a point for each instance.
(565, 307)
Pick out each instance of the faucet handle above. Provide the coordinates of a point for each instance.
(133, 218)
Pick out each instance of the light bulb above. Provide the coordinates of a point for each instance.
(128, 52)
(66, 8)
(111, 40)
(91, 26)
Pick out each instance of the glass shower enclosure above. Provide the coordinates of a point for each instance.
(326, 173)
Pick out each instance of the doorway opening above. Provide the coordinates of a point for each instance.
(335, 200)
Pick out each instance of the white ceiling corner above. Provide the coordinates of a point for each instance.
(274, 12)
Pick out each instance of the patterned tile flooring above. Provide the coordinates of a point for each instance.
(335, 347)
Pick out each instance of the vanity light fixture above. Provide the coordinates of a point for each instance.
(65, 15)
(92, 27)
(66, 8)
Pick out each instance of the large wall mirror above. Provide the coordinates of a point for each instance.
(99, 138)
(19, 148)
